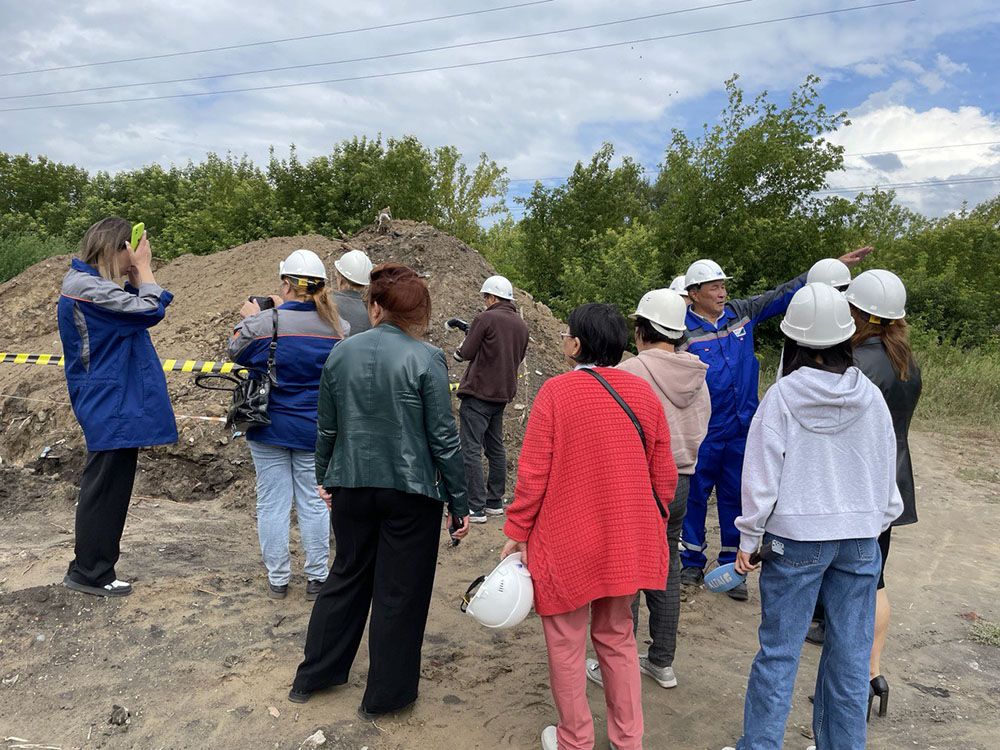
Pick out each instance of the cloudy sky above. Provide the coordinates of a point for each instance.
(916, 77)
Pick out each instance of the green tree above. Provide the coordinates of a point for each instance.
(744, 192)
(560, 222)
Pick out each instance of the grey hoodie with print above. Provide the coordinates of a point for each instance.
(820, 461)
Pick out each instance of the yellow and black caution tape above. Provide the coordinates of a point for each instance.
(169, 365)
(31, 359)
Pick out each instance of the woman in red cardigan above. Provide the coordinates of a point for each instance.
(589, 525)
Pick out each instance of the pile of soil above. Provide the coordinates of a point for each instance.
(37, 429)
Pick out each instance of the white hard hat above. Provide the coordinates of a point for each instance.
(678, 285)
(498, 286)
(504, 597)
(354, 266)
(818, 317)
(302, 263)
(832, 271)
(665, 310)
(879, 293)
(703, 271)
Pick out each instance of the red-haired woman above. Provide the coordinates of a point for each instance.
(386, 432)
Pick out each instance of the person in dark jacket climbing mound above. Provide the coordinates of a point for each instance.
(388, 460)
(720, 332)
(308, 326)
(117, 388)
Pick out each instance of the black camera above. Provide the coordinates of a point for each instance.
(264, 303)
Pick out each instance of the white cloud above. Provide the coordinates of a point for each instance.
(871, 69)
(536, 116)
(917, 135)
(948, 67)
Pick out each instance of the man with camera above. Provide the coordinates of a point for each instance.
(494, 347)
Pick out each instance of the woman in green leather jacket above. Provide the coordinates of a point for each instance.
(387, 457)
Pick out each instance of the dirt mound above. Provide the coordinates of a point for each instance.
(38, 430)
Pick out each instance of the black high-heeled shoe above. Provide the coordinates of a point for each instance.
(878, 687)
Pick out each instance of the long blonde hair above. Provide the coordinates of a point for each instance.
(895, 335)
(101, 244)
(312, 290)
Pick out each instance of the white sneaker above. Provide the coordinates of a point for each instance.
(664, 676)
(594, 672)
(494, 511)
(477, 517)
(549, 739)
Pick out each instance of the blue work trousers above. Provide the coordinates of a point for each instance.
(842, 575)
(720, 466)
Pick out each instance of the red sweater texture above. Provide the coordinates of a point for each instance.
(584, 501)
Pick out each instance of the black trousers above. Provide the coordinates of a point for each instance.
(387, 547)
(481, 429)
(105, 492)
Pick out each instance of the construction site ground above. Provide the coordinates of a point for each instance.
(201, 658)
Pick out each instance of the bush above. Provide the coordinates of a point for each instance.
(17, 252)
(961, 386)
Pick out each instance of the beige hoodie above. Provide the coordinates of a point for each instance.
(678, 378)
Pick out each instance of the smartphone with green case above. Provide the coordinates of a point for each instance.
(137, 230)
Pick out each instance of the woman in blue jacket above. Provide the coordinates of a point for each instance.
(283, 452)
(116, 386)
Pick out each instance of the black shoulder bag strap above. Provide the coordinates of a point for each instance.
(271, 373)
(635, 421)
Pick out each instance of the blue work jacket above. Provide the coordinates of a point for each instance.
(115, 380)
(727, 347)
(304, 342)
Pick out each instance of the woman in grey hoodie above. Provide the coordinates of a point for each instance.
(819, 486)
(678, 380)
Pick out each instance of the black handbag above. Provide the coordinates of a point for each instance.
(635, 421)
(251, 391)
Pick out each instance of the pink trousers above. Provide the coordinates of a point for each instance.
(614, 642)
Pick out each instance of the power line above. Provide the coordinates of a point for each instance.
(456, 66)
(917, 184)
(385, 56)
(655, 167)
(926, 148)
(358, 30)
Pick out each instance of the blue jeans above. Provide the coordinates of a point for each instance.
(284, 474)
(842, 575)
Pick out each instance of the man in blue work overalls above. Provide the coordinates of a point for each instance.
(720, 332)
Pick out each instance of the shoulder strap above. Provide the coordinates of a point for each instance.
(635, 421)
(271, 374)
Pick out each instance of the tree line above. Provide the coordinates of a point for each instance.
(746, 192)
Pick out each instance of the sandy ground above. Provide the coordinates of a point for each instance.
(202, 659)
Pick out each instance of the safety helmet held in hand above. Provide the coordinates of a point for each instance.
(678, 285)
(879, 293)
(304, 263)
(818, 317)
(504, 597)
(832, 271)
(702, 272)
(498, 286)
(665, 310)
(354, 266)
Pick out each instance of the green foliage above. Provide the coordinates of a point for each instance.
(620, 267)
(960, 386)
(226, 201)
(743, 193)
(18, 252)
(559, 223)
